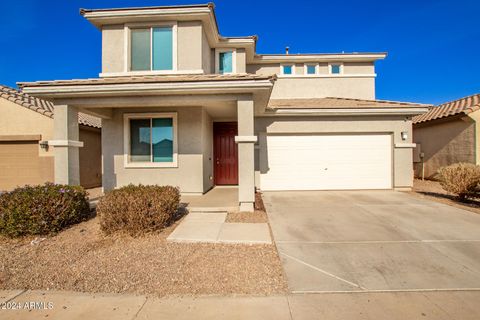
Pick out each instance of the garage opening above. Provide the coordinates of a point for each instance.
(327, 162)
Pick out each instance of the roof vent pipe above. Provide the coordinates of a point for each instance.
(286, 50)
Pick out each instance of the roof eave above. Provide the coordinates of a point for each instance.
(404, 111)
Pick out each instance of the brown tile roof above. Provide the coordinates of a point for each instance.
(43, 106)
(337, 103)
(464, 105)
(150, 79)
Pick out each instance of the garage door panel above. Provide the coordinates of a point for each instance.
(328, 162)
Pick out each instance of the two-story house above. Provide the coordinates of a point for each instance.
(183, 105)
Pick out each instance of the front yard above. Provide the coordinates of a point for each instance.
(81, 258)
(432, 190)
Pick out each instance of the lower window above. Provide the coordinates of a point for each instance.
(150, 140)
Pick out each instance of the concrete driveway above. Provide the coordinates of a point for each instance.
(373, 241)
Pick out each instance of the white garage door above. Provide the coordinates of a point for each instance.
(327, 162)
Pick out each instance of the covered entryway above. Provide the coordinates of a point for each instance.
(328, 162)
(225, 152)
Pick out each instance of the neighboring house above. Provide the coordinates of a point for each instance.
(447, 134)
(26, 123)
(185, 106)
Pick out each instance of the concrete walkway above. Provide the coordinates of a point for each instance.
(402, 305)
(211, 227)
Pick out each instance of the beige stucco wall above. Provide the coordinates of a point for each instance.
(189, 173)
(444, 142)
(18, 120)
(402, 157)
(208, 62)
(113, 40)
(241, 63)
(189, 45)
(475, 116)
(207, 150)
(289, 88)
(343, 86)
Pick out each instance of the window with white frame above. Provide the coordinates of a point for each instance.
(287, 69)
(225, 61)
(151, 139)
(151, 48)
(310, 69)
(336, 68)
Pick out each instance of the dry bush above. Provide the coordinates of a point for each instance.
(42, 209)
(138, 209)
(462, 179)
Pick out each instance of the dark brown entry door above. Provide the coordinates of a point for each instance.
(225, 152)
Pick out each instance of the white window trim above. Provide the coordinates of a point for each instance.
(126, 140)
(336, 64)
(127, 46)
(310, 64)
(234, 59)
(287, 64)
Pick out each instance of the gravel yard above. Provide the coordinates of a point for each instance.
(82, 259)
(432, 190)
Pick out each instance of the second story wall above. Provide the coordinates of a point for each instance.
(356, 80)
(193, 53)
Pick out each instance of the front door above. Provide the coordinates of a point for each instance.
(225, 152)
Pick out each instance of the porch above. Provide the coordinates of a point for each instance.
(217, 199)
(160, 130)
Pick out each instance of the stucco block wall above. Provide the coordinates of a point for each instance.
(402, 157)
(189, 173)
(113, 46)
(444, 142)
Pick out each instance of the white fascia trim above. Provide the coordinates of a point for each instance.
(291, 58)
(357, 111)
(65, 143)
(144, 12)
(240, 139)
(405, 145)
(341, 75)
(142, 87)
(149, 73)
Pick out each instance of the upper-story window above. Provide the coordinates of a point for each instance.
(151, 48)
(225, 61)
(336, 68)
(287, 69)
(310, 69)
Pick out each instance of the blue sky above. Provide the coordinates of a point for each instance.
(433, 45)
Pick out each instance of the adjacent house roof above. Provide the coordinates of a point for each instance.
(150, 79)
(43, 106)
(464, 105)
(337, 103)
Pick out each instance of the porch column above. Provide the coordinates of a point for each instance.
(66, 144)
(246, 141)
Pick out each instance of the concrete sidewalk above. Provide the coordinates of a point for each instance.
(389, 305)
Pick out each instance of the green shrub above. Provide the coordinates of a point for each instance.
(42, 209)
(461, 179)
(138, 209)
